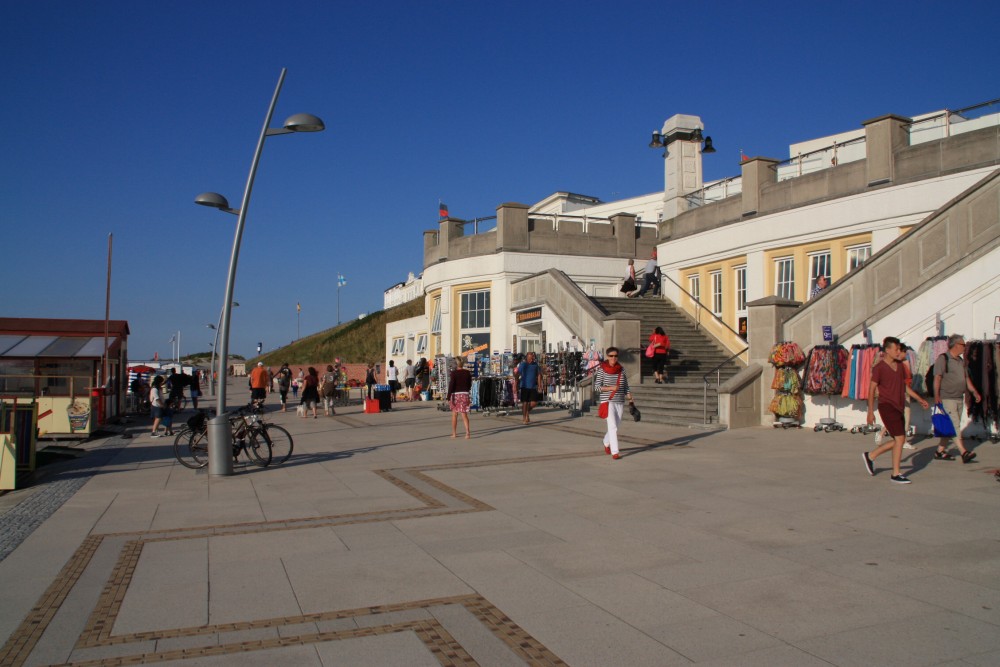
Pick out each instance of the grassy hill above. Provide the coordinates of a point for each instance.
(354, 342)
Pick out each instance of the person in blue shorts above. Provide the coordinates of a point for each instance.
(527, 384)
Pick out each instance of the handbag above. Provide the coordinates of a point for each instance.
(634, 411)
(628, 285)
(602, 409)
(650, 350)
(943, 428)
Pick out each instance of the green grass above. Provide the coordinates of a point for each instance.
(357, 341)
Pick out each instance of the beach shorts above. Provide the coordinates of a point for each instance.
(528, 395)
(892, 419)
(460, 402)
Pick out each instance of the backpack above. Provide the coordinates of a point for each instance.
(929, 376)
(329, 385)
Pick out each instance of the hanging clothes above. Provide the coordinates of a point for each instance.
(826, 369)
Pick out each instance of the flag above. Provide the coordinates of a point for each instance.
(341, 280)
(156, 356)
(298, 307)
(743, 158)
(442, 209)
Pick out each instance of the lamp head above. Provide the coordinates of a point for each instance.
(304, 122)
(657, 141)
(709, 148)
(213, 199)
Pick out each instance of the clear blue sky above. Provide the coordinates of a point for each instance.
(116, 114)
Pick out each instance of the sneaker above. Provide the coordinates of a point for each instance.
(878, 438)
(900, 479)
(869, 464)
(908, 445)
(155, 435)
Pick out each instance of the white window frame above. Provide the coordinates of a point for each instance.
(716, 278)
(853, 253)
(473, 311)
(694, 286)
(397, 346)
(422, 343)
(740, 281)
(817, 262)
(784, 278)
(436, 315)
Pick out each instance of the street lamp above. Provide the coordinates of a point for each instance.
(220, 446)
(215, 346)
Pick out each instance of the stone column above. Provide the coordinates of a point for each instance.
(682, 173)
(512, 227)
(621, 330)
(757, 172)
(883, 137)
(449, 228)
(623, 225)
(431, 247)
(765, 318)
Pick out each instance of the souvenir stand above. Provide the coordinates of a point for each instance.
(825, 371)
(859, 379)
(786, 405)
(563, 370)
(982, 360)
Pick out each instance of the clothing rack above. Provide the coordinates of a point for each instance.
(825, 371)
(786, 405)
(859, 378)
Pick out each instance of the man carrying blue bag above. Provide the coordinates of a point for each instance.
(951, 381)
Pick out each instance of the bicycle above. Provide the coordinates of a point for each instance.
(262, 443)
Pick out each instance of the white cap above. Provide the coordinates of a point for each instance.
(260, 363)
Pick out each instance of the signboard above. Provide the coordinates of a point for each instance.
(475, 343)
(742, 328)
(527, 316)
(827, 334)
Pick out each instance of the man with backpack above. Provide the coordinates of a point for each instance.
(284, 378)
(951, 381)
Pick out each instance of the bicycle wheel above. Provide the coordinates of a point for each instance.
(280, 441)
(257, 449)
(191, 448)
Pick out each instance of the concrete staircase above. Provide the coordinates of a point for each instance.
(693, 353)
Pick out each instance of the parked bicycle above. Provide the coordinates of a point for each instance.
(261, 442)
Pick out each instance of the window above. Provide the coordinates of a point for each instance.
(740, 275)
(436, 315)
(694, 286)
(475, 307)
(784, 277)
(716, 292)
(819, 265)
(421, 343)
(857, 256)
(397, 346)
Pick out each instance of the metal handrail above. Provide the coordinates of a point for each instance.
(835, 145)
(702, 307)
(956, 112)
(718, 382)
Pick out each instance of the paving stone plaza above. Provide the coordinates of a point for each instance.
(383, 541)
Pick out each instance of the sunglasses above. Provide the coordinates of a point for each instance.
(612, 356)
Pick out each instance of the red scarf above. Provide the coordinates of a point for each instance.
(611, 370)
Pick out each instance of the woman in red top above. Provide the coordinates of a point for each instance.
(459, 386)
(661, 348)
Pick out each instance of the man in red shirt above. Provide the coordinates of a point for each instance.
(260, 380)
(889, 381)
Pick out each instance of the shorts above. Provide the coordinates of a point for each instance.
(393, 385)
(528, 395)
(460, 402)
(157, 412)
(411, 382)
(892, 419)
(258, 394)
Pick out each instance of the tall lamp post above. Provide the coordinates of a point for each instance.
(215, 346)
(220, 445)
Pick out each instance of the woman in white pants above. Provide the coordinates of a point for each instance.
(611, 383)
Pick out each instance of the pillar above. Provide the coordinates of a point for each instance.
(765, 318)
(682, 172)
(624, 229)
(883, 137)
(512, 227)
(757, 173)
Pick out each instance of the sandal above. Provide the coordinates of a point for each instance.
(944, 456)
(968, 456)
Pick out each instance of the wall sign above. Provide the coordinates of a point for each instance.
(827, 333)
(526, 316)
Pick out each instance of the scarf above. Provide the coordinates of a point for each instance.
(611, 370)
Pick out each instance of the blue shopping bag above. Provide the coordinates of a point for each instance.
(943, 428)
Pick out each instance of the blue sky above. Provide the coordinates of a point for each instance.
(116, 114)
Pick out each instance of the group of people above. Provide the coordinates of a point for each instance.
(651, 278)
(165, 397)
(315, 389)
(891, 384)
(416, 378)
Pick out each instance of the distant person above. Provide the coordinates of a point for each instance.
(821, 284)
(628, 285)
(159, 408)
(661, 350)
(370, 380)
(410, 380)
(526, 375)
(284, 379)
(310, 391)
(177, 381)
(423, 371)
(328, 390)
(259, 381)
(951, 383)
(649, 277)
(195, 384)
(889, 382)
(296, 383)
(392, 379)
(459, 388)
(611, 385)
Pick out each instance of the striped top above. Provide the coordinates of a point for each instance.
(602, 378)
